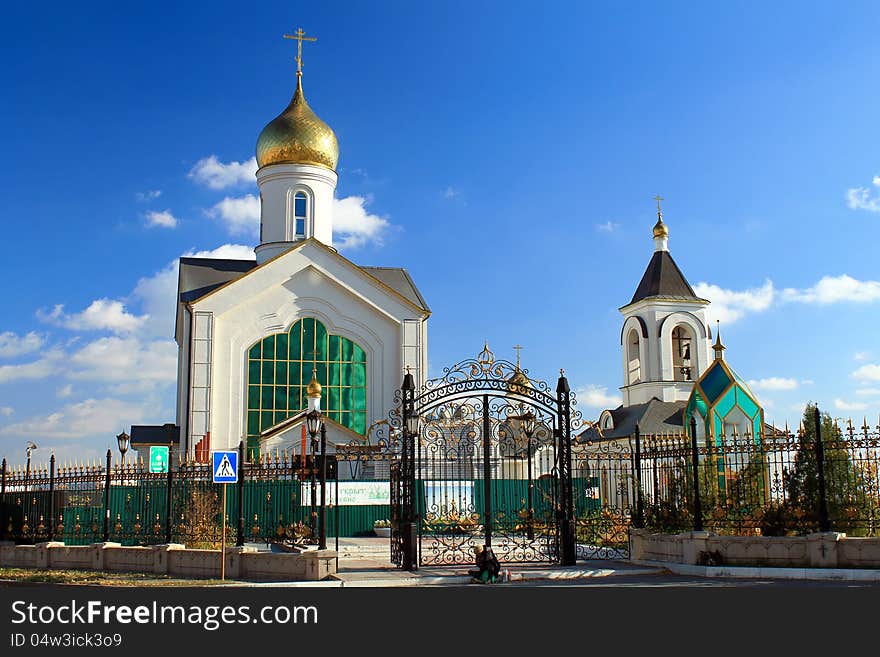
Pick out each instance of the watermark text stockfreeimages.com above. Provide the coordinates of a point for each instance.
(209, 617)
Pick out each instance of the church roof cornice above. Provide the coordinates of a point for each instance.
(333, 252)
(694, 300)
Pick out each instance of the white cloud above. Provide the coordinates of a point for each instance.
(101, 315)
(729, 305)
(6, 411)
(241, 216)
(863, 198)
(149, 195)
(162, 219)
(450, 192)
(44, 367)
(842, 405)
(861, 355)
(225, 251)
(867, 373)
(64, 391)
(774, 383)
(596, 397)
(354, 225)
(833, 289)
(607, 227)
(92, 417)
(215, 174)
(12, 345)
(868, 392)
(125, 360)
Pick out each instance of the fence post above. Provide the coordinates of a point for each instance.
(169, 494)
(695, 460)
(52, 497)
(106, 535)
(824, 521)
(568, 523)
(409, 545)
(241, 465)
(640, 509)
(3, 499)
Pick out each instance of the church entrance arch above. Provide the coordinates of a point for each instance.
(484, 459)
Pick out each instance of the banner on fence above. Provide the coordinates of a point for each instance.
(352, 493)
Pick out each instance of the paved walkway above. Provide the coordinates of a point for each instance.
(366, 562)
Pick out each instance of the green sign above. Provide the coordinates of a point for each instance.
(158, 459)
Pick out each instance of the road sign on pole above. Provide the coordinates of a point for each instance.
(159, 459)
(225, 466)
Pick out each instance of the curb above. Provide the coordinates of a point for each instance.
(764, 572)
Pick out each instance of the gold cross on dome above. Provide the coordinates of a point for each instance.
(658, 198)
(518, 348)
(299, 36)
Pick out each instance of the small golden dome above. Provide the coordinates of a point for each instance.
(660, 229)
(518, 382)
(314, 389)
(298, 136)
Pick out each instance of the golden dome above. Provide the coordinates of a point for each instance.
(298, 136)
(660, 229)
(314, 389)
(518, 382)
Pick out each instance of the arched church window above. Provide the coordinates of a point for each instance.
(682, 353)
(280, 367)
(300, 212)
(633, 360)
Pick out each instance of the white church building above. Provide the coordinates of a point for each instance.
(251, 333)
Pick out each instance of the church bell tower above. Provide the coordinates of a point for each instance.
(665, 338)
(297, 154)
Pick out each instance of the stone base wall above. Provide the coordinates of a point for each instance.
(174, 560)
(821, 550)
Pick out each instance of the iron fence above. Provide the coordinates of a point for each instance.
(88, 503)
(822, 477)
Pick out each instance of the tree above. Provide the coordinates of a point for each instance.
(849, 506)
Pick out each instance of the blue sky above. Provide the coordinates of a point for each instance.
(505, 155)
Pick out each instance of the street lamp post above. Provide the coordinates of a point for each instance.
(408, 474)
(315, 426)
(27, 472)
(123, 440)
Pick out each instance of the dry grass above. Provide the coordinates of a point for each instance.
(93, 578)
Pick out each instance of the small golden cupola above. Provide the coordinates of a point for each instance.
(297, 135)
(518, 382)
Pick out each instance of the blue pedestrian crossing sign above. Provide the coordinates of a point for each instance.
(225, 466)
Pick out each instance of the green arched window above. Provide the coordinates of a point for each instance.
(280, 368)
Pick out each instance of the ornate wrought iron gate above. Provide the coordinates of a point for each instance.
(485, 460)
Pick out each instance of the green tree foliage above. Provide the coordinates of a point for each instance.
(849, 506)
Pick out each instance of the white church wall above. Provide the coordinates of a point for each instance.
(183, 381)
(308, 282)
(200, 373)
